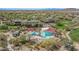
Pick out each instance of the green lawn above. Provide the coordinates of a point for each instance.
(75, 35)
(12, 27)
(5, 28)
(62, 24)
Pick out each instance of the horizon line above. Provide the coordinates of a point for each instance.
(32, 8)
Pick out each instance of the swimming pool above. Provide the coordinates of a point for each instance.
(34, 33)
(43, 34)
(46, 34)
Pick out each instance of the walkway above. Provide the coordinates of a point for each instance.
(9, 46)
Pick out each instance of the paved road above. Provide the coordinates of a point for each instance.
(67, 35)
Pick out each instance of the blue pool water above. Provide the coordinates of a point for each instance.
(46, 34)
(43, 34)
(34, 33)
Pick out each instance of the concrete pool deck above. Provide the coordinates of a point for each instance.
(44, 33)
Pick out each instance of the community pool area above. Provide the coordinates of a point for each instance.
(44, 34)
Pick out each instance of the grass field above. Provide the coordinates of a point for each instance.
(12, 27)
(62, 24)
(75, 35)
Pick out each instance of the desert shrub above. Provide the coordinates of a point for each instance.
(23, 39)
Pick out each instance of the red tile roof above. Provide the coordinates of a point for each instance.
(51, 30)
